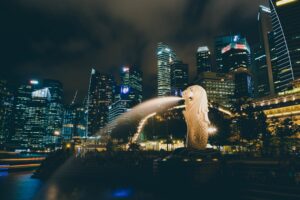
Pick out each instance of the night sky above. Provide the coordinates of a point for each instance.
(63, 39)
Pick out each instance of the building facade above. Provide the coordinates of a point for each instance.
(100, 96)
(165, 57)
(132, 79)
(236, 60)
(179, 77)
(262, 71)
(219, 87)
(6, 113)
(220, 43)
(286, 28)
(204, 62)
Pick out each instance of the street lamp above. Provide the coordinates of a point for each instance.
(212, 130)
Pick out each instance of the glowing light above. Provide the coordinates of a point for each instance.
(265, 9)
(125, 69)
(122, 193)
(227, 48)
(34, 82)
(284, 2)
(68, 146)
(19, 166)
(215, 159)
(212, 130)
(125, 89)
(240, 46)
(199, 160)
(236, 38)
(202, 49)
(57, 133)
(21, 159)
(43, 93)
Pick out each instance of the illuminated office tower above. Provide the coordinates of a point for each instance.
(100, 96)
(220, 43)
(219, 87)
(6, 115)
(23, 99)
(179, 77)
(165, 57)
(203, 59)
(131, 78)
(36, 124)
(55, 114)
(263, 74)
(286, 27)
(74, 122)
(236, 60)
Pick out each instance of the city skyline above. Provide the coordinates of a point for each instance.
(41, 45)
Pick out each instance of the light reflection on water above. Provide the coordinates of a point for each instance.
(18, 186)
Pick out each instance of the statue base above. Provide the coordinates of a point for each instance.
(189, 166)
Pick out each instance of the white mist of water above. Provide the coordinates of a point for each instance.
(142, 110)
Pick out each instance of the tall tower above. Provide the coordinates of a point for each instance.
(37, 119)
(6, 117)
(236, 60)
(132, 79)
(23, 99)
(55, 106)
(165, 57)
(100, 96)
(220, 43)
(286, 27)
(264, 81)
(203, 59)
(179, 77)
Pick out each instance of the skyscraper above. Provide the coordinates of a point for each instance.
(55, 113)
(263, 74)
(203, 59)
(165, 57)
(6, 114)
(100, 96)
(236, 60)
(74, 122)
(131, 78)
(179, 77)
(220, 87)
(220, 43)
(286, 28)
(37, 118)
(23, 98)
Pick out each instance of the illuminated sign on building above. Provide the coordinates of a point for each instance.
(43, 93)
(201, 49)
(124, 89)
(235, 46)
(227, 48)
(236, 38)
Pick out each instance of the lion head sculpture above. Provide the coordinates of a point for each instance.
(196, 116)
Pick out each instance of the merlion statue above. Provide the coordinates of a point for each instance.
(196, 117)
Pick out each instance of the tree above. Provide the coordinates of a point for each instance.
(134, 147)
(221, 137)
(262, 128)
(284, 131)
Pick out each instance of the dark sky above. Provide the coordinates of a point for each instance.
(63, 39)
